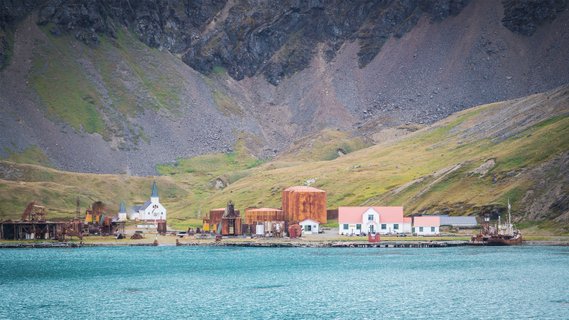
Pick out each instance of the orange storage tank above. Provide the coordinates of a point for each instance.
(301, 203)
(254, 215)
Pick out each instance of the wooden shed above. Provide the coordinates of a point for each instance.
(254, 215)
(301, 203)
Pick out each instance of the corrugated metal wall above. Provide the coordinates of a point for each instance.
(304, 203)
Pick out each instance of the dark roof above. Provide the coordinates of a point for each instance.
(458, 221)
(145, 205)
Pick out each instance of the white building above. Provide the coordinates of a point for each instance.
(310, 226)
(426, 225)
(407, 224)
(365, 220)
(151, 210)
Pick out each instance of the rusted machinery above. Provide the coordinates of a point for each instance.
(34, 212)
(231, 221)
(95, 214)
(32, 226)
(301, 203)
(225, 221)
(98, 222)
(210, 223)
(73, 228)
(294, 231)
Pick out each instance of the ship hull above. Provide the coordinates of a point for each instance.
(504, 241)
(496, 240)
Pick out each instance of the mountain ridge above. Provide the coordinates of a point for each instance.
(134, 106)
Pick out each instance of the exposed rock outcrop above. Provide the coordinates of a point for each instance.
(525, 16)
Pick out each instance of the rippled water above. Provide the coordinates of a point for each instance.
(285, 283)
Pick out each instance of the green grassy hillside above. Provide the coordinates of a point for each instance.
(58, 190)
(100, 88)
(471, 162)
(440, 168)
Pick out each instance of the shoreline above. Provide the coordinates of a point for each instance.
(269, 244)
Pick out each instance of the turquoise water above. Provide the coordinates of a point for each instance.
(285, 283)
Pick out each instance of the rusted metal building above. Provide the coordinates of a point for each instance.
(301, 203)
(225, 220)
(231, 221)
(32, 226)
(266, 222)
(213, 220)
(30, 230)
(254, 215)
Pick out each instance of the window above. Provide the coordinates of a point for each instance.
(396, 226)
(345, 226)
(308, 228)
(358, 226)
(383, 226)
(432, 229)
(413, 229)
(370, 217)
(420, 229)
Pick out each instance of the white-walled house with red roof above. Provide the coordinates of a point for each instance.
(426, 225)
(365, 220)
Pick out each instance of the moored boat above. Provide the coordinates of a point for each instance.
(500, 234)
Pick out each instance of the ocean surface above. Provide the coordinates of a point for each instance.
(285, 283)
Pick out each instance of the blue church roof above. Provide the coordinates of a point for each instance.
(154, 190)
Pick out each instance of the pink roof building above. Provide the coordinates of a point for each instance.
(354, 214)
(427, 221)
(364, 220)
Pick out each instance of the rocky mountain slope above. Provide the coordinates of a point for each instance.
(115, 86)
(469, 163)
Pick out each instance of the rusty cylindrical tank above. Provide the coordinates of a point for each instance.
(301, 203)
(254, 215)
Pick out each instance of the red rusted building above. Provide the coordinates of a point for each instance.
(254, 215)
(231, 221)
(301, 203)
(228, 218)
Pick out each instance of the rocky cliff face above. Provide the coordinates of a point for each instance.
(526, 16)
(295, 68)
(276, 39)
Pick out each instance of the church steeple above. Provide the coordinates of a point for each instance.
(154, 190)
(122, 207)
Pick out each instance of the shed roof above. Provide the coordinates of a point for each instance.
(305, 221)
(354, 214)
(458, 221)
(427, 221)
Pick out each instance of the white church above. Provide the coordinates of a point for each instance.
(151, 210)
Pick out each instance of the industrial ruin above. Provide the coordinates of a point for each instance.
(303, 210)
